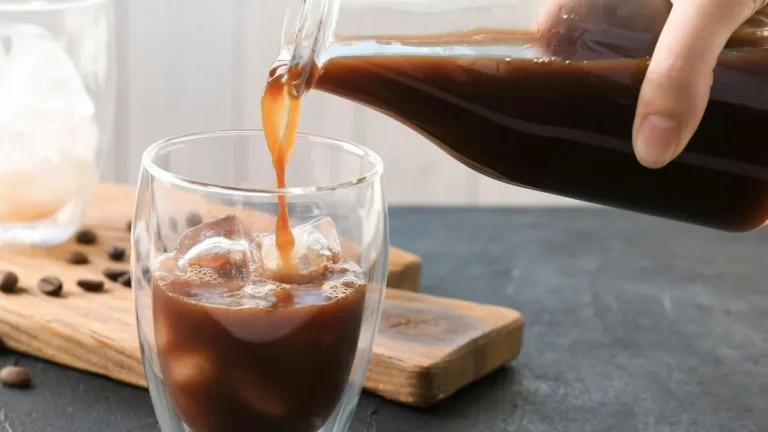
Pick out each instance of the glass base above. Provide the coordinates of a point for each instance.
(51, 231)
(36, 233)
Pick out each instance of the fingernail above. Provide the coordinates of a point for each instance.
(657, 141)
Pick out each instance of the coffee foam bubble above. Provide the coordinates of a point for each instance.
(200, 275)
(338, 289)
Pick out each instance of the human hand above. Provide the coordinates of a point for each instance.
(676, 87)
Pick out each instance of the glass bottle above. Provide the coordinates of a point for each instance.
(542, 93)
(57, 102)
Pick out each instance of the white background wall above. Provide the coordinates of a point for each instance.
(191, 65)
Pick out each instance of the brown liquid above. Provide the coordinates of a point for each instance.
(563, 124)
(257, 359)
(280, 117)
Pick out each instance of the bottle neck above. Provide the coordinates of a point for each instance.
(314, 30)
(307, 31)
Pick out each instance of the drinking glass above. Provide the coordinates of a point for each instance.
(222, 359)
(57, 84)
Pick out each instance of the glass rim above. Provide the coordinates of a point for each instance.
(46, 5)
(148, 164)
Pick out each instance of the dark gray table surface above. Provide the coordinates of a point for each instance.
(633, 324)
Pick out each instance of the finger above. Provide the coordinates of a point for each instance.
(677, 84)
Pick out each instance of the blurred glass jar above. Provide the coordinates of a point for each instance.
(57, 97)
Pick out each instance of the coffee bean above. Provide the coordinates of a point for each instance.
(91, 285)
(86, 236)
(113, 274)
(50, 285)
(173, 224)
(116, 253)
(193, 219)
(8, 281)
(77, 257)
(15, 376)
(125, 280)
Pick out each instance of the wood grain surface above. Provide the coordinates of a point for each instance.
(427, 348)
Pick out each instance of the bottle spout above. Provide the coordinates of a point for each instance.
(306, 33)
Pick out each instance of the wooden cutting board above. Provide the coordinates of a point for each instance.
(427, 347)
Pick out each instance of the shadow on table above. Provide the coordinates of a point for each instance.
(499, 398)
(498, 388)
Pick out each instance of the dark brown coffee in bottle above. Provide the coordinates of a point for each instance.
(562, 123)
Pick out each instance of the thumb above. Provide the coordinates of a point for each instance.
(676, 88)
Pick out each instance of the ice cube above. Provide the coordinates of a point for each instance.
(256, 394)
(317, 248)
(162, 332)
(44, 103)
(188, 369)
(45, 76)
(219, 251)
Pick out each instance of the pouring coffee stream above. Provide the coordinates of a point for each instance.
(550, 112)
(280, 117)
